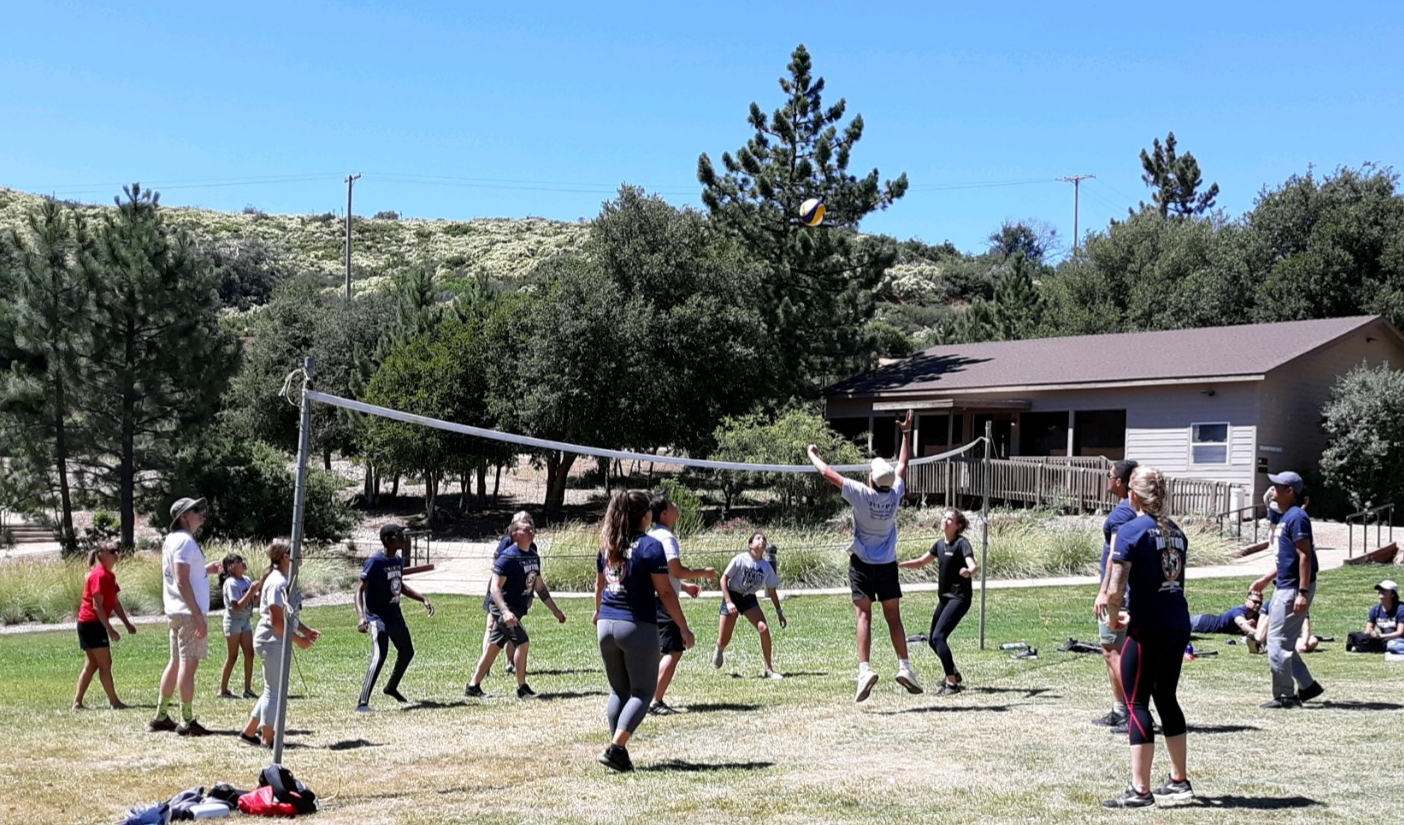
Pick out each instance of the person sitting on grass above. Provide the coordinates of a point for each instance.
(95, 630)
(239, 594)
(279, 606)
(745, 576)
(1384, 627)
(516, 580)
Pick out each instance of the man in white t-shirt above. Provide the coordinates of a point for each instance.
(185, 592)
(872, 560)
(670, 640)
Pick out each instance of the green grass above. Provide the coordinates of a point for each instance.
(1016, 747)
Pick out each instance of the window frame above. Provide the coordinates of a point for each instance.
(1227, 443)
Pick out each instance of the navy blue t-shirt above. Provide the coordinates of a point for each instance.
(628, 592)
(382, 577)
(502, 544)
(1225, 622)
(1386, 621)
(520, 569)
(1157, 581)
(1120, 515)
(1294, 526)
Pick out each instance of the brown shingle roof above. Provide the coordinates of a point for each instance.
(1143, 357)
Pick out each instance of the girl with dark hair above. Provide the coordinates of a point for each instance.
(630, 584)
(1149, 558)
(95, 631)
(239, 595)
(956, 566)
(269, 639)
(746, 575)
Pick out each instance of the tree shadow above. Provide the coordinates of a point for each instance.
(713, 707)
(682, 766)
(949, 709)
(1257, 803)
(1222, 728)
(1348, 705)
(923, 368)
(351, 745)
(568, 694)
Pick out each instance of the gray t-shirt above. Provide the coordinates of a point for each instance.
(746, 576)
(234, 589)
(274, 592)
(874, 520)
(672, 549)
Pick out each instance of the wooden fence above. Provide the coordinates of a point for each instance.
(1061, 485)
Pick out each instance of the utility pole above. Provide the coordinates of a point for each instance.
(1075, 180)
(350, 182)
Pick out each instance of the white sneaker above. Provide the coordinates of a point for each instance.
(718, 658)
(866, 680)
(907, 678)
(1394, 657)
(773, 674)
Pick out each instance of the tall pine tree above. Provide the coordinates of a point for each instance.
(818, 281)
(1176, 180)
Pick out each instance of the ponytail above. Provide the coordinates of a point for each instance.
(625, 513)
(1148, 483)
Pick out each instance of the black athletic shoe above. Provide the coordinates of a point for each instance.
(1173, 791)
(1111, 720)
(250, 740)
(161, 725)
(1130, 799)
(1308, 693)
(660, 709)
(474, 691)
(524, 691)
(948, 689)
(394, 694)
(617, 758)
(194, 728)
(1282, 703)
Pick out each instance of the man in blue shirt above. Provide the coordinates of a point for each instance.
(378, 613)
(1118, 476)
(1241, 620)
(1295, 580)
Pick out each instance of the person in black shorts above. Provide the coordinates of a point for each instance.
(956, 566)
(378, 613)
(670, 640)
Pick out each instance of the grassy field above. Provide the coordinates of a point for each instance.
(1016, 747)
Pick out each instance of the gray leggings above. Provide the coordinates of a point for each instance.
(630, 654)
(272, 655)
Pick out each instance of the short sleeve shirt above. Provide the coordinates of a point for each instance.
(1157, 581)
(234, 589)
(100, 581)
(874, 520)
(628, 587)
(1226, 622)
(950, 560)
(382, 577)
(1294, 526)
(745, 576)
(274, 592)
(520, 569)
(180, 548)
(1385, 621)
(1119, 515)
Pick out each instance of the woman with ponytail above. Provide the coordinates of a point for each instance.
(630, 585)
(269, 639)
(1148, 559)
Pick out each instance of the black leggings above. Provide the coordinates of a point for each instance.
(949, 612)
(1150, 669)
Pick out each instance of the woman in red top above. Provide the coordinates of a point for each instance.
(95, 624)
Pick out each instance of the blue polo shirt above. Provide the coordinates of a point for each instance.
(628, 590)
(1294, 526)
(1157, 581)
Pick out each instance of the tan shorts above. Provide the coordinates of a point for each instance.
(184, 644)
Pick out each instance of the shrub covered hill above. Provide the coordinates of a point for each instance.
(503, 249)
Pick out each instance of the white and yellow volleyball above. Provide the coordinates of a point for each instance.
(812, 212)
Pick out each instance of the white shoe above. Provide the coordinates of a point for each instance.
(907, 678)
(866, 680)
(718, 658)
(1394, 657)
(773, 674)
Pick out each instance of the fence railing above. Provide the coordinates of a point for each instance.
(1378, 516)
(1026, 481)
(1234, 520)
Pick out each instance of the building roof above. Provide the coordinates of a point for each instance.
(1244, 352)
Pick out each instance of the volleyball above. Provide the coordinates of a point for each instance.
(812, 212)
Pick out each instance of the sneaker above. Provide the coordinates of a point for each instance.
(511, 668)
(1394, 657)
(1173, 791)
(524, 691)
(866, 680)
(617, 758)
(474, 691)
(161, 725)
(1130, 798)
(395, 694)
(224, 694)
(907, 678)
(364, 709)
(1111, 720)
(248, 694)
(193, 728)
(772, 674)
(718, 658)
(948, 689)
(1306, 694)
(1282, 703)
(1253, 646)
(1031, 653)
(660, 709)
(250, 740)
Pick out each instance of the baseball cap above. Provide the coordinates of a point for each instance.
(393, 530)
(1287, 479)
(1388, 584)
(183, 506)
(884, 474)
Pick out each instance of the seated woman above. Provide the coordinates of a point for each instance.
(1384, 628)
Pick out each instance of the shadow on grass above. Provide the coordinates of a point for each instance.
(432, 704)
(568, 694)
(1222, 728)
(568, 671)
(714, 707)
(949, 709)
(1257, 803)
(703, 767)
(1339, 705)
(351, 745)
(1029, 693)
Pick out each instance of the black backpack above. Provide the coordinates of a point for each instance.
(287, 788)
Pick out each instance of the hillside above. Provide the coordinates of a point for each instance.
(503, 248)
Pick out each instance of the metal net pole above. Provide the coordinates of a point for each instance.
(290, 613)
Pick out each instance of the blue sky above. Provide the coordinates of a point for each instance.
(461, 110)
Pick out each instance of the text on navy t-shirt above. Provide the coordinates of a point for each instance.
(382, 577)
(1157, 580)
(520, 569)
(628, 587)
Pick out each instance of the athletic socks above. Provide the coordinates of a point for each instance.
(864, 667)
(163, 708)
(187, 713)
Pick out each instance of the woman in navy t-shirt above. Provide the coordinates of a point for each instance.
(631, 584)
(1149, 557)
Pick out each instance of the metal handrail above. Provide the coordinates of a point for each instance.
(1364, 516)
(1238, 521)
(414, 536)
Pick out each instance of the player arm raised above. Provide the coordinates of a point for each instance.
(824, 469)
(905, 455)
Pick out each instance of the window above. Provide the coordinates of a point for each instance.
(1043, 433)
(1209, 443)
(1100, 432)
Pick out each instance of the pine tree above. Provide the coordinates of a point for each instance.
(1176, 179)
(818, 281)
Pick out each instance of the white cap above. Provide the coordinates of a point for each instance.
(1388, 584)
(884, 474)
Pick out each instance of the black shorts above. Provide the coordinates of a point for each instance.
(876, 582)
(743, 603)
(670, 638)
(499, 635)
(92, 636)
